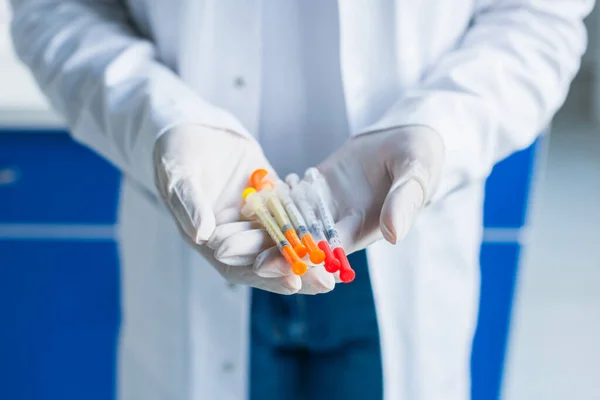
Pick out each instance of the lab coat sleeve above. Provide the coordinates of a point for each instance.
(106, 81)
(500, 87)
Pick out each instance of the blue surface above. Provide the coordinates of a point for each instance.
(59, 307)
(507, 190)
(506, 201)
(498, 275)
(59, 299)
(59, 181)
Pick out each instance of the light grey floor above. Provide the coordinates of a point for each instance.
(554, 350)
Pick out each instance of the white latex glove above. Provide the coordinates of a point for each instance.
(379, 181)
(200, 173)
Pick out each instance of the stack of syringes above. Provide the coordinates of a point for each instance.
(287, 212)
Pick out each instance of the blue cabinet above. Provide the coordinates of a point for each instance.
(54, 181)
(59, 286)
(59, 308)
(507, 190)
(499, 263)
(505, 209)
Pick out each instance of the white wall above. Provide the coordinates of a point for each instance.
(21, 103)
(554, 348)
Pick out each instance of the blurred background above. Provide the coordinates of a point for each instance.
(538, 334)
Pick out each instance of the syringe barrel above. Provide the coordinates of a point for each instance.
(316, 180)
(276, 208)
(258, 208)
(326, 217)
(318, 185)
(254, 204)
(278, 211)
(316, 255)
(317, 231)
(303, 203)
(284, 195)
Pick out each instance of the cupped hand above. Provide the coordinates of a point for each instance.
(200, 173)
(379, 181)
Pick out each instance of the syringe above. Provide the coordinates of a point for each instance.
(259, 181)
(316, 255)
(255, 207)
(318, 185)
(300, 197)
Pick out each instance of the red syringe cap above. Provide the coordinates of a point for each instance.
(347, 274)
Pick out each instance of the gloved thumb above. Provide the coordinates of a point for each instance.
(401, 206)
(192, 211)
(186, 201)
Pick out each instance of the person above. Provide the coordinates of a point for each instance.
(404, 106)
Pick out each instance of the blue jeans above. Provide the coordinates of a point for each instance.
(317, 347)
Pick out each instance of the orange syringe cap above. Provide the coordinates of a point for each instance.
(298, 266)
(259, 181)
(294, 240)
(316, 255)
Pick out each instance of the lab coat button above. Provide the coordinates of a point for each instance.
(232, 286)
(228, 366)
(239, 82)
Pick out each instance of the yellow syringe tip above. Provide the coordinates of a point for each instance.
(247, 192)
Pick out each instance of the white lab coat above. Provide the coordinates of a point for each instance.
(487, 75)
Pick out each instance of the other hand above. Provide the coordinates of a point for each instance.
(379, 181)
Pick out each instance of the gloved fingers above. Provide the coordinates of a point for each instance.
(336, 277)
(224, 231)
(350, 231)
(186, 201)
(228, 215)
(191, 209)
(243, 247)
(244, 275)
(270, 264)
(400, 209)
(287, 285)
(317, 281)
(334, 205)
